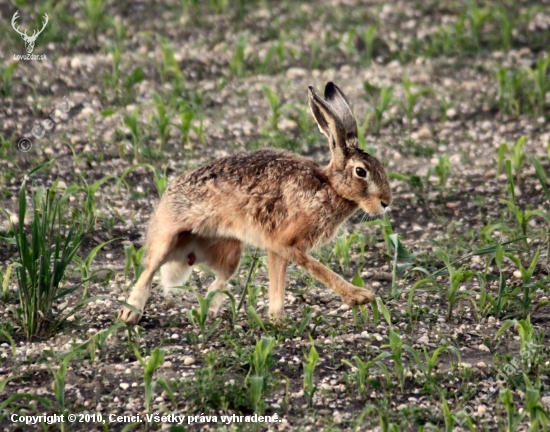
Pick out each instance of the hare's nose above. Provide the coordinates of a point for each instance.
(384, 204)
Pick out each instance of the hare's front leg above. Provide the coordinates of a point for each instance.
(350, 294)
(277, 274)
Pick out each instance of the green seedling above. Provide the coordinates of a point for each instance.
(131, 121)
(260, 371)
(477, 17)
(170, 68)
(86, 265)
(274, 104)
(531, 342)
(428, 364)
(540, 77)
(60, 376)
(277, 52)
(443, 170)
(506, 27)
(134, 258)
(387, 231)
(237, 63)
(159, 178)
(511, 84)
(513, 417)
(150, 367)
(7, 73)
(161, 120)
(94, 11)
(5, 282)
(368, 35)
(361, 370)
(539, 418)
(199, 317)
(309, 369)
(456, 277)
(342, 248)
(412, 94)
(381, 97)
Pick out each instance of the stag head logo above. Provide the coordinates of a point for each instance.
(29, 40)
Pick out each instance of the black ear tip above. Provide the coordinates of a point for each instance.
(330, 90)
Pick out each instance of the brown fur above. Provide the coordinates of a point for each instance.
(271, 199)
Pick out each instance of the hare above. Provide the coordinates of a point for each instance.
(270, 199)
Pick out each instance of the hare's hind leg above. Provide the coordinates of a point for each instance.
(223, 257)
(179, 264)
(277, 275)
(159, 246)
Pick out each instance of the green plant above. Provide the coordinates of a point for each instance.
(412, 94)
(85, 266)
(94, 11)
(309, 369)
(200, 316)
(381, 97)
(237, 63)
(161, 120)
(260, 370)
(274, 104)
(60, 376)
(443, 170)
(361, 370)
(513, 418)
(510, 87)
(5, 283)
(7, 73)
(541, 79)
(44, 256)
(131, 121)
(456, 277)
(149, 369)
(170, 67)
(134, 258)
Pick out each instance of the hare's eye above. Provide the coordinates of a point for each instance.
(360, 172)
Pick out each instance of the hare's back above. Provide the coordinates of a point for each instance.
(264, 171)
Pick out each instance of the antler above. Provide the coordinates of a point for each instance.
(43, 26)
(34, 34)
(13, 20)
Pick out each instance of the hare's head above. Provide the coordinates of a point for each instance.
(354, 174)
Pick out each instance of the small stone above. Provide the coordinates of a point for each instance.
(546, 401)
(188, 361)
(517, 274)
(481, 365)
(423, 340)
(345, 307)
(167, 365)
(175, 336)
(424, 133)
(481, 409)
(337, 417)
(365, 335)
(124, 386)
(483, 347)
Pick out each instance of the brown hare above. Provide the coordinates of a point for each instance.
(271, 199)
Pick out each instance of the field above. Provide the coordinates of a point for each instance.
(452, 96)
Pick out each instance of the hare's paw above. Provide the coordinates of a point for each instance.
(129, 316)
(276, 316)
(357, 296)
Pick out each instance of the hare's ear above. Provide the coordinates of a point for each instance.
(330, 126)
(340, 105)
